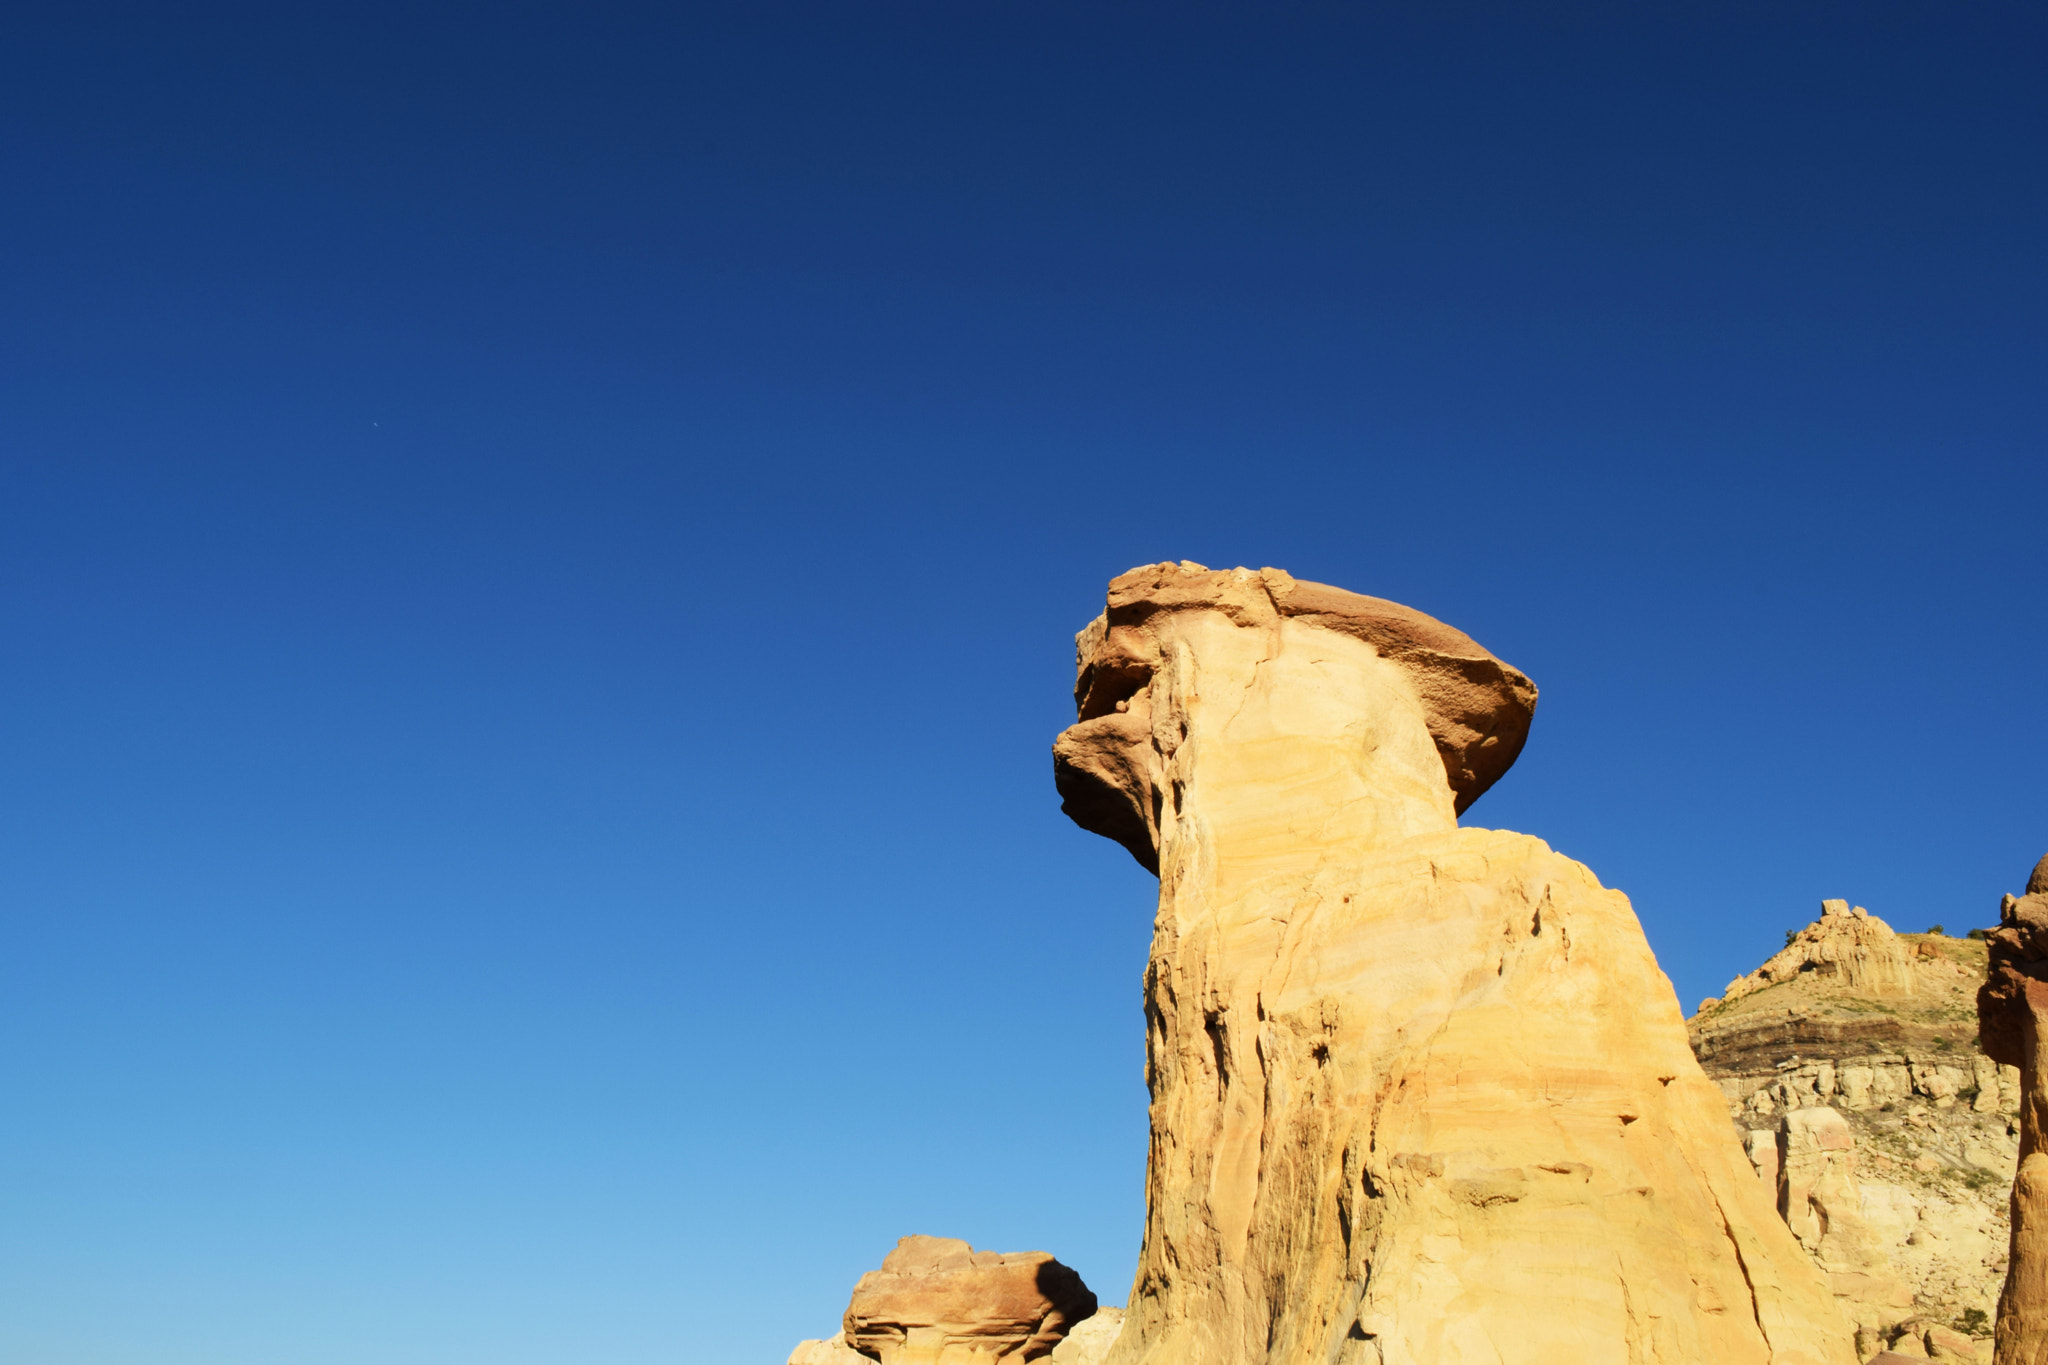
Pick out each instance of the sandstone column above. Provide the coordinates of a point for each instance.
(2011, 1008)
(1420, 1095)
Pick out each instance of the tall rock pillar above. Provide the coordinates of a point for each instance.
(1420, 1095)
(2011, 1009)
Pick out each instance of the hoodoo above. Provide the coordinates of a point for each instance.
(937, 1301)
(2011, 1010)
(1420, 1094)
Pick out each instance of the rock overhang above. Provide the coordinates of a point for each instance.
(1479, 708)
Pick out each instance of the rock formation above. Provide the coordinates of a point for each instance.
(1850, 1063)
(1088, 1341)
(1926, 1341)
(937, 1301)
(2011, 1008)
(1844, 946)
(831, 1350)
(1419, 1093)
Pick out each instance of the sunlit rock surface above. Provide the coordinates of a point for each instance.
(937, 1301)
(1420, 1094)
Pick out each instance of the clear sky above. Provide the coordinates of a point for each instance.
(539, 546)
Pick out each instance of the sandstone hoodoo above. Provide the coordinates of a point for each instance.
(937, 1301)
(2012, 1008)
(1420, 1094)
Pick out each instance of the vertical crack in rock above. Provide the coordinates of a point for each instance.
(1756, 1308)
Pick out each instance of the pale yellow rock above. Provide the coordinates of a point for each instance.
(1420, 1095)
(1917, 1339)
(1088, 1342)
(1762, 1146)
(1852, 946)
(831, 1350)
(1934, 1140)
(1822, 1201)
(1948, 1345)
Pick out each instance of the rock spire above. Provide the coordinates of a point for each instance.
(2011, 1010)
(1420, 1094)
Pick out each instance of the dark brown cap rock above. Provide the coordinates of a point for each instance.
(1478, 708)
(2013, 1001)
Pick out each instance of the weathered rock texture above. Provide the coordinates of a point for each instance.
(937, 1301)
(831, 1350)
(1476, 709)
(1931, 1341)
(2012, 1006)
(1419, 1094)
(1888, 1140)
(1844, 947)
(1088, 1342)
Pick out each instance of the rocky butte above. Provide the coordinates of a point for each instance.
(1420, 1094)
(1851, 1067)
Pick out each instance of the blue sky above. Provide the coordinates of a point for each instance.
(539, 547)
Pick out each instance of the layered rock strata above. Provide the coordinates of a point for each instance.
(1420, 1094)
(937, 1301)
(1887, 1139)
(2012, 1007)
(1086, 1343)
(1844, 947)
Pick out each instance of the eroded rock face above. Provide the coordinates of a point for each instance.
(1887, 1138)
(1852, 946)
(1821, 1200)
(831, 1350)
(1475, 708)
(937, 1301)
(2011, 1009)
(1419, 1094)
(1088, 1342)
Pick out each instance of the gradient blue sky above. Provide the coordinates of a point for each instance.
(539, 546)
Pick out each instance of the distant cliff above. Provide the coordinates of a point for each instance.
(1851, 1066)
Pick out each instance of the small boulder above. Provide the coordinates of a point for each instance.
(938, 1301)
(1946, 1344)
